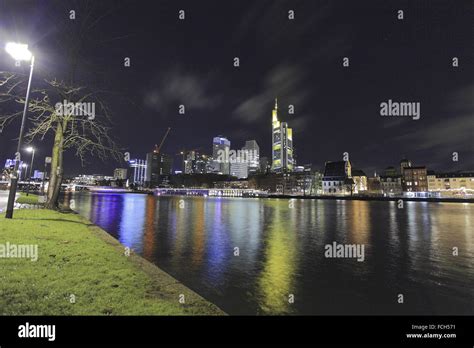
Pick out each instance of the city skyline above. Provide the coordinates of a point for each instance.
(166, 159)
(213, 153)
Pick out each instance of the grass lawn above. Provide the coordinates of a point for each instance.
(30, 199)
(77, 257)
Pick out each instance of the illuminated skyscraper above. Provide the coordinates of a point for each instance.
(220, 155)
(282, 144)
(253, 156)
(197, 163)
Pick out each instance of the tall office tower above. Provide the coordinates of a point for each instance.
(282, 144)
(203, 164)
(158, 169)
(252, 150)
(190, 161)
(220, 155)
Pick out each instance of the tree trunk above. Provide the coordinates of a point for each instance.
(56, 174)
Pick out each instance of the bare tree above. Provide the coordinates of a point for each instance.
(57, 109)
(87, 136)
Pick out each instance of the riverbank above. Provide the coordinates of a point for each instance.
(82, 270)
(345, 198)
(383, 199)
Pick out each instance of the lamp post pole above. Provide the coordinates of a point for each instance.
(32, 150)
(14, 178)
(32, 159)
(25, 166)
(46, 161)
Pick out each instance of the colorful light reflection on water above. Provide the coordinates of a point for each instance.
(281, 251)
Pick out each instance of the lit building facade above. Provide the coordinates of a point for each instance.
(414, 179)
(220, 155)
(138, 171)
(451, 185)
(239, 169)
(391, 180)
(391, 185)
(282, 144)
(120, 173)
(253, 150)
(91, 180)
(360, 181)
(202, 164)
(189, 161)
(198, 163)
(337, 179)
(306, 183)
(38, 175)
(10, 165)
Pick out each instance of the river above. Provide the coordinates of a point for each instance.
(267, 256)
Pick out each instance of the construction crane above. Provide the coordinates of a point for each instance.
(158, 147)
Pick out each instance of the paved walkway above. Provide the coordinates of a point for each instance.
(3, 200)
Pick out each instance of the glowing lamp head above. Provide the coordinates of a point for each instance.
(18, 51)
(30, 149)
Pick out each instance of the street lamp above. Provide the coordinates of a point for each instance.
(18, 52)
(32, 150)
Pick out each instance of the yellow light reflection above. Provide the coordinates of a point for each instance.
(199, 234)
(358, 233)
(277, 277)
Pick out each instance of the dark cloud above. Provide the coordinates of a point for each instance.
(285, 82)
(177, 87)
(439, 134)
(453, 133)
(267, 21)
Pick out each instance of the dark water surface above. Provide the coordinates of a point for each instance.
(281, 251)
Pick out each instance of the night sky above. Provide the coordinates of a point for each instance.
(190, 62)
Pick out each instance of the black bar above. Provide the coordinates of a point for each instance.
(133, 330)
